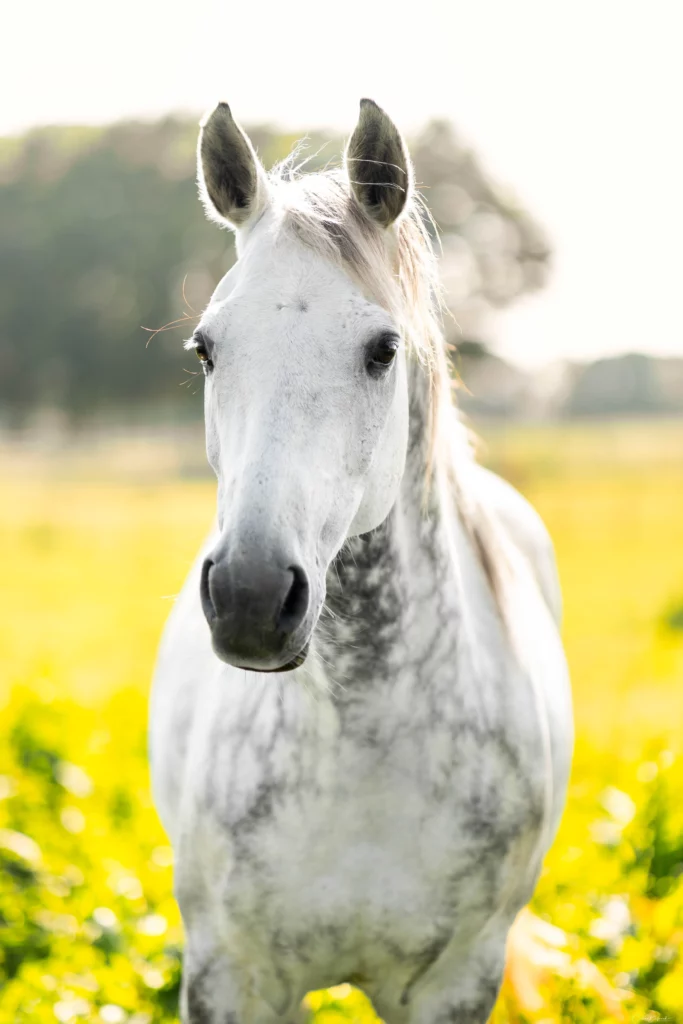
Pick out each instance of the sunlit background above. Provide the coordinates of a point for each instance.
(546, 139)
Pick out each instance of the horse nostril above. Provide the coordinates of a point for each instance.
(208, 606)
(295, 604)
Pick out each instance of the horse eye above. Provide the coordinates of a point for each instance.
(382, 353)
(203, 357)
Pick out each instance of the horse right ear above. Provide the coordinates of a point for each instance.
(233, 184)
(378, 165)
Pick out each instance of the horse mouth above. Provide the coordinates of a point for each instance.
(296, 662)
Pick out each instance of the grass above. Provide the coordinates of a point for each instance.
(91, 555)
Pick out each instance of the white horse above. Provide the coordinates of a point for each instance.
(361, 725)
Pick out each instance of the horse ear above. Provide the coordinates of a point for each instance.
(232, 182)
(378, 165)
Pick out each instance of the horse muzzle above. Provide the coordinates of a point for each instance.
(258, 610)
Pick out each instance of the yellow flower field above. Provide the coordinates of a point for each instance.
(92, 550)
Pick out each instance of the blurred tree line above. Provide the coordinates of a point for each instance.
(102, 235)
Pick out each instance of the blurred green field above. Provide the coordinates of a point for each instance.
(93, 550)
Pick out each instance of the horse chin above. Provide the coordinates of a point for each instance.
(295, 662)
(253, 666)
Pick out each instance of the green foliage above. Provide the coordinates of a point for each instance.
(673, 617)
(87, 919)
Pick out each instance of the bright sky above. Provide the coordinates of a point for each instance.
(578, 106)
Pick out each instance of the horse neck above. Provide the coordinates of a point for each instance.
(377, 581)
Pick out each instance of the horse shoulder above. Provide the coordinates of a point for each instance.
(525, 529)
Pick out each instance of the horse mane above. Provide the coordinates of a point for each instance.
(398, 270)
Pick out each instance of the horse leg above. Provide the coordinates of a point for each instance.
(461, 987)
(214, 991)
(208, 994)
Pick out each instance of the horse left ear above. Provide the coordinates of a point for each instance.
(232, 181)
(378, 165)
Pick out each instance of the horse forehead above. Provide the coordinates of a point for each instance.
(321, 304)
(282, 288)
(292, 278)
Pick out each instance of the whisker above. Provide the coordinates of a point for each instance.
(171, 326)
(185, 297)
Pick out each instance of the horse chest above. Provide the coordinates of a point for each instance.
(376, 845)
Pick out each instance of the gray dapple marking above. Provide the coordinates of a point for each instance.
(362, 758)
